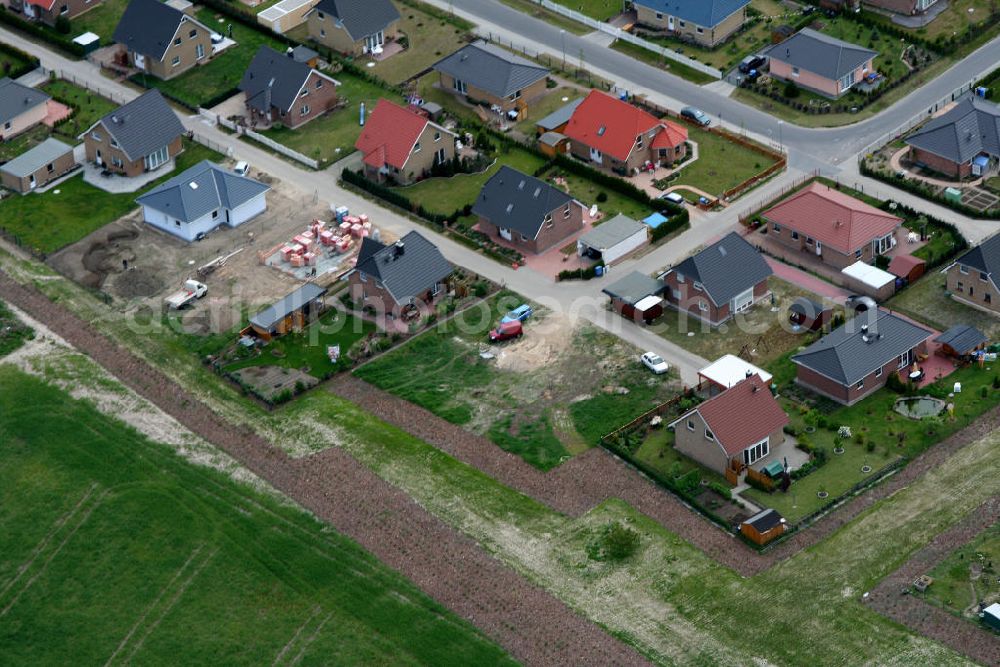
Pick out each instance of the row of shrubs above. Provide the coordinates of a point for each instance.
(926, 191)
(30, 61)
(42, 32)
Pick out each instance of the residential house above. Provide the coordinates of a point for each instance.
(974, 278)
(202, 198)
(293, 312)
(49, 11)
(398, 280)
(160, 40)
(905, 7)
(402, 144)
(739, 427)
(725, 278)
(136, 137)
(820, 63)
(704, 22)
(961, 143)
(21, 108)
(481, 72)
(613, 134)
(280, 89)
(526, 212)
(830, 226)
(636, 297)
(856, 360)
(353, 27)
(37, 167)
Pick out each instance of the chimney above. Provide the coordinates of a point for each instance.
(749, 373)
(267, 95)
(399, 249)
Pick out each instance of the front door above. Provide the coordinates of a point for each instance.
(595, 156)
(98, 159)
(31, 182)
(670, 23)
(819, 248)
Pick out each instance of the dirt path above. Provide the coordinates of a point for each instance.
(530, 623)
(931, 621)
(589, 479)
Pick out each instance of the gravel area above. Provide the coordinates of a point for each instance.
(529, 622)
(931, 621)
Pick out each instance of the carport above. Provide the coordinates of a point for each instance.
(636, 297)
(612, 240)
(870, 280)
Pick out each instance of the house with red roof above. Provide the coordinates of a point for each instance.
(48, 11)
(831, 226)
(613, 134)
(739, 427)
(401, 144)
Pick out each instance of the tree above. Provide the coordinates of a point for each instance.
(791, 90)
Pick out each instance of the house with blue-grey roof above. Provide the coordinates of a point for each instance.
(21, 108)
(397, 279)
(704, 22)
(857, 359)
(354, 27)
(961, 143)
(202, 198)
(161, 40)
(726, 278)
(279, 89)
(820, 63)
(484, 73)
(137, 137)
(974, 278)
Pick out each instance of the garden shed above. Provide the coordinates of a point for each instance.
(291, 313)
(991, 616)
(636, 297)
(763, 527)
(809, 314)
(907, 267)
(961, 340)
(870, 280)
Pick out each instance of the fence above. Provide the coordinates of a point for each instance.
(118, 97)
(259, 138)
(780, 194)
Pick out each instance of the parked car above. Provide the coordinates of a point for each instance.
(654, 362)
(752, 63)
(697, 115)
(242, 168)
(507, 331)
(858, 303)
(519, 314)
(673, 198)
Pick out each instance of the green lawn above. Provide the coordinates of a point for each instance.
(534, 9)
(89, 107)
(131, 552)
(10, 62)
(101, 20)
(721, 164)
(973, 567)
(656, 60)
(429, 90)
(954, 19)
(600, 10)
(13, 332)
(331, 136)
(13, 147)
(552, 101)
(446, 195)
(430, 39)
(586, 191)
(928, 301)
(223, 72)
(657, 451)
(307, 349)
(47, 221)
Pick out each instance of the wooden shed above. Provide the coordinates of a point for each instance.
(961, 340)
(291, 313)
(907, 267)
(809, 314)
(763, 527)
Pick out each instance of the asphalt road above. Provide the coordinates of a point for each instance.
(809, 148)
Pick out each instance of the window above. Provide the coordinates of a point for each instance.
(638, 141)
(959, 286)
(698, 286)
(304, 110)
(857, 254)
(777, 228)
(114, 144)
(848, 80)
(215, 214)
(548, 221)
(809, 240)
(983, 276)
(860, 384)
(436, 289)
(437, 136)
(701, 30)
(971, 290)
(964, 270)
(176, 61)
(681, 23)
(702, 306)
(878, 372)
(882, 245)
(659, 16)
(987, 297)
(680, 277)
(322, 33)
(6, 126)
(319, 83)
(177, 223)
(64, 9)
(566, 211)
(795, 235)
(199, 51)
(50, 168)
(524, 238)
(320, 16)
(177, 42)
(690, 424)
(416, 147)
(795, 71)
(459, 85)
(516, 95)
(756, 452)
(708, 434)
(303, 92)
(362, 277)
(96, 136)
(904, 360)
(193, 34)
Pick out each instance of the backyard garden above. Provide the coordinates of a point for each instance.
(968, 577)
(430, 34)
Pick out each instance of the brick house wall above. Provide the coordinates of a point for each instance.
(970, 288)
(305, 107)
(784, 236)
(367, 291)
(110, 153)
(68, 8)
(475, 94)
(872, 382)
(686, 30)
(23, 122)
(191, 37)
(690, 300)
(940, 164)
(636, 159)
(805, 79)
(43, 175)
(550, 235)
(323, 30)
(692, 442)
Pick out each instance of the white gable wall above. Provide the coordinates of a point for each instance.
(248, 210)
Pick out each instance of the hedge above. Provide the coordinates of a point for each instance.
(921, 190)
(42, 32)
(30, 61)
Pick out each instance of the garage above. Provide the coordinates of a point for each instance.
(636, 297)
(612, 240)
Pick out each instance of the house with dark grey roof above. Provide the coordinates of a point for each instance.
(21, 108)
(904, 7)
(291, 313)
(704, 22)
(399, 279)
(202, 198)
(482, 72)
(38, 166)
(526, 212)
(974, 278)
(856, 360)
(136, 137)
(820, 63)
(961, 143)
(280, 89)
(354, 27)
(161, 40)
(718, 282)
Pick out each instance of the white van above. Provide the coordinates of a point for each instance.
(242, 168)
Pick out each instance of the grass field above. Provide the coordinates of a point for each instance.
(48, 221)
(968, 576)
(430, 39)
(223, 72)
(721, 164)
(553, 100)
(586, 191)
(928, 300)
(600, 10)
(671, 66)
(13, 332)
(669, 600)
(101, 20)
(331, 136)
(533, 9)
(119, 550)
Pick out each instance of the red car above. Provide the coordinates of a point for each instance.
(506, 331)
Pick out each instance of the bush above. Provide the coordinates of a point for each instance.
(42, 32)
(721, 489)
(893, 383)
(791, 90)
(601, 197)
(618, 542)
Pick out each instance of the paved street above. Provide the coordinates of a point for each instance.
(584, 299)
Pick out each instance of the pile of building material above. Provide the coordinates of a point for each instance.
(322, 247)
